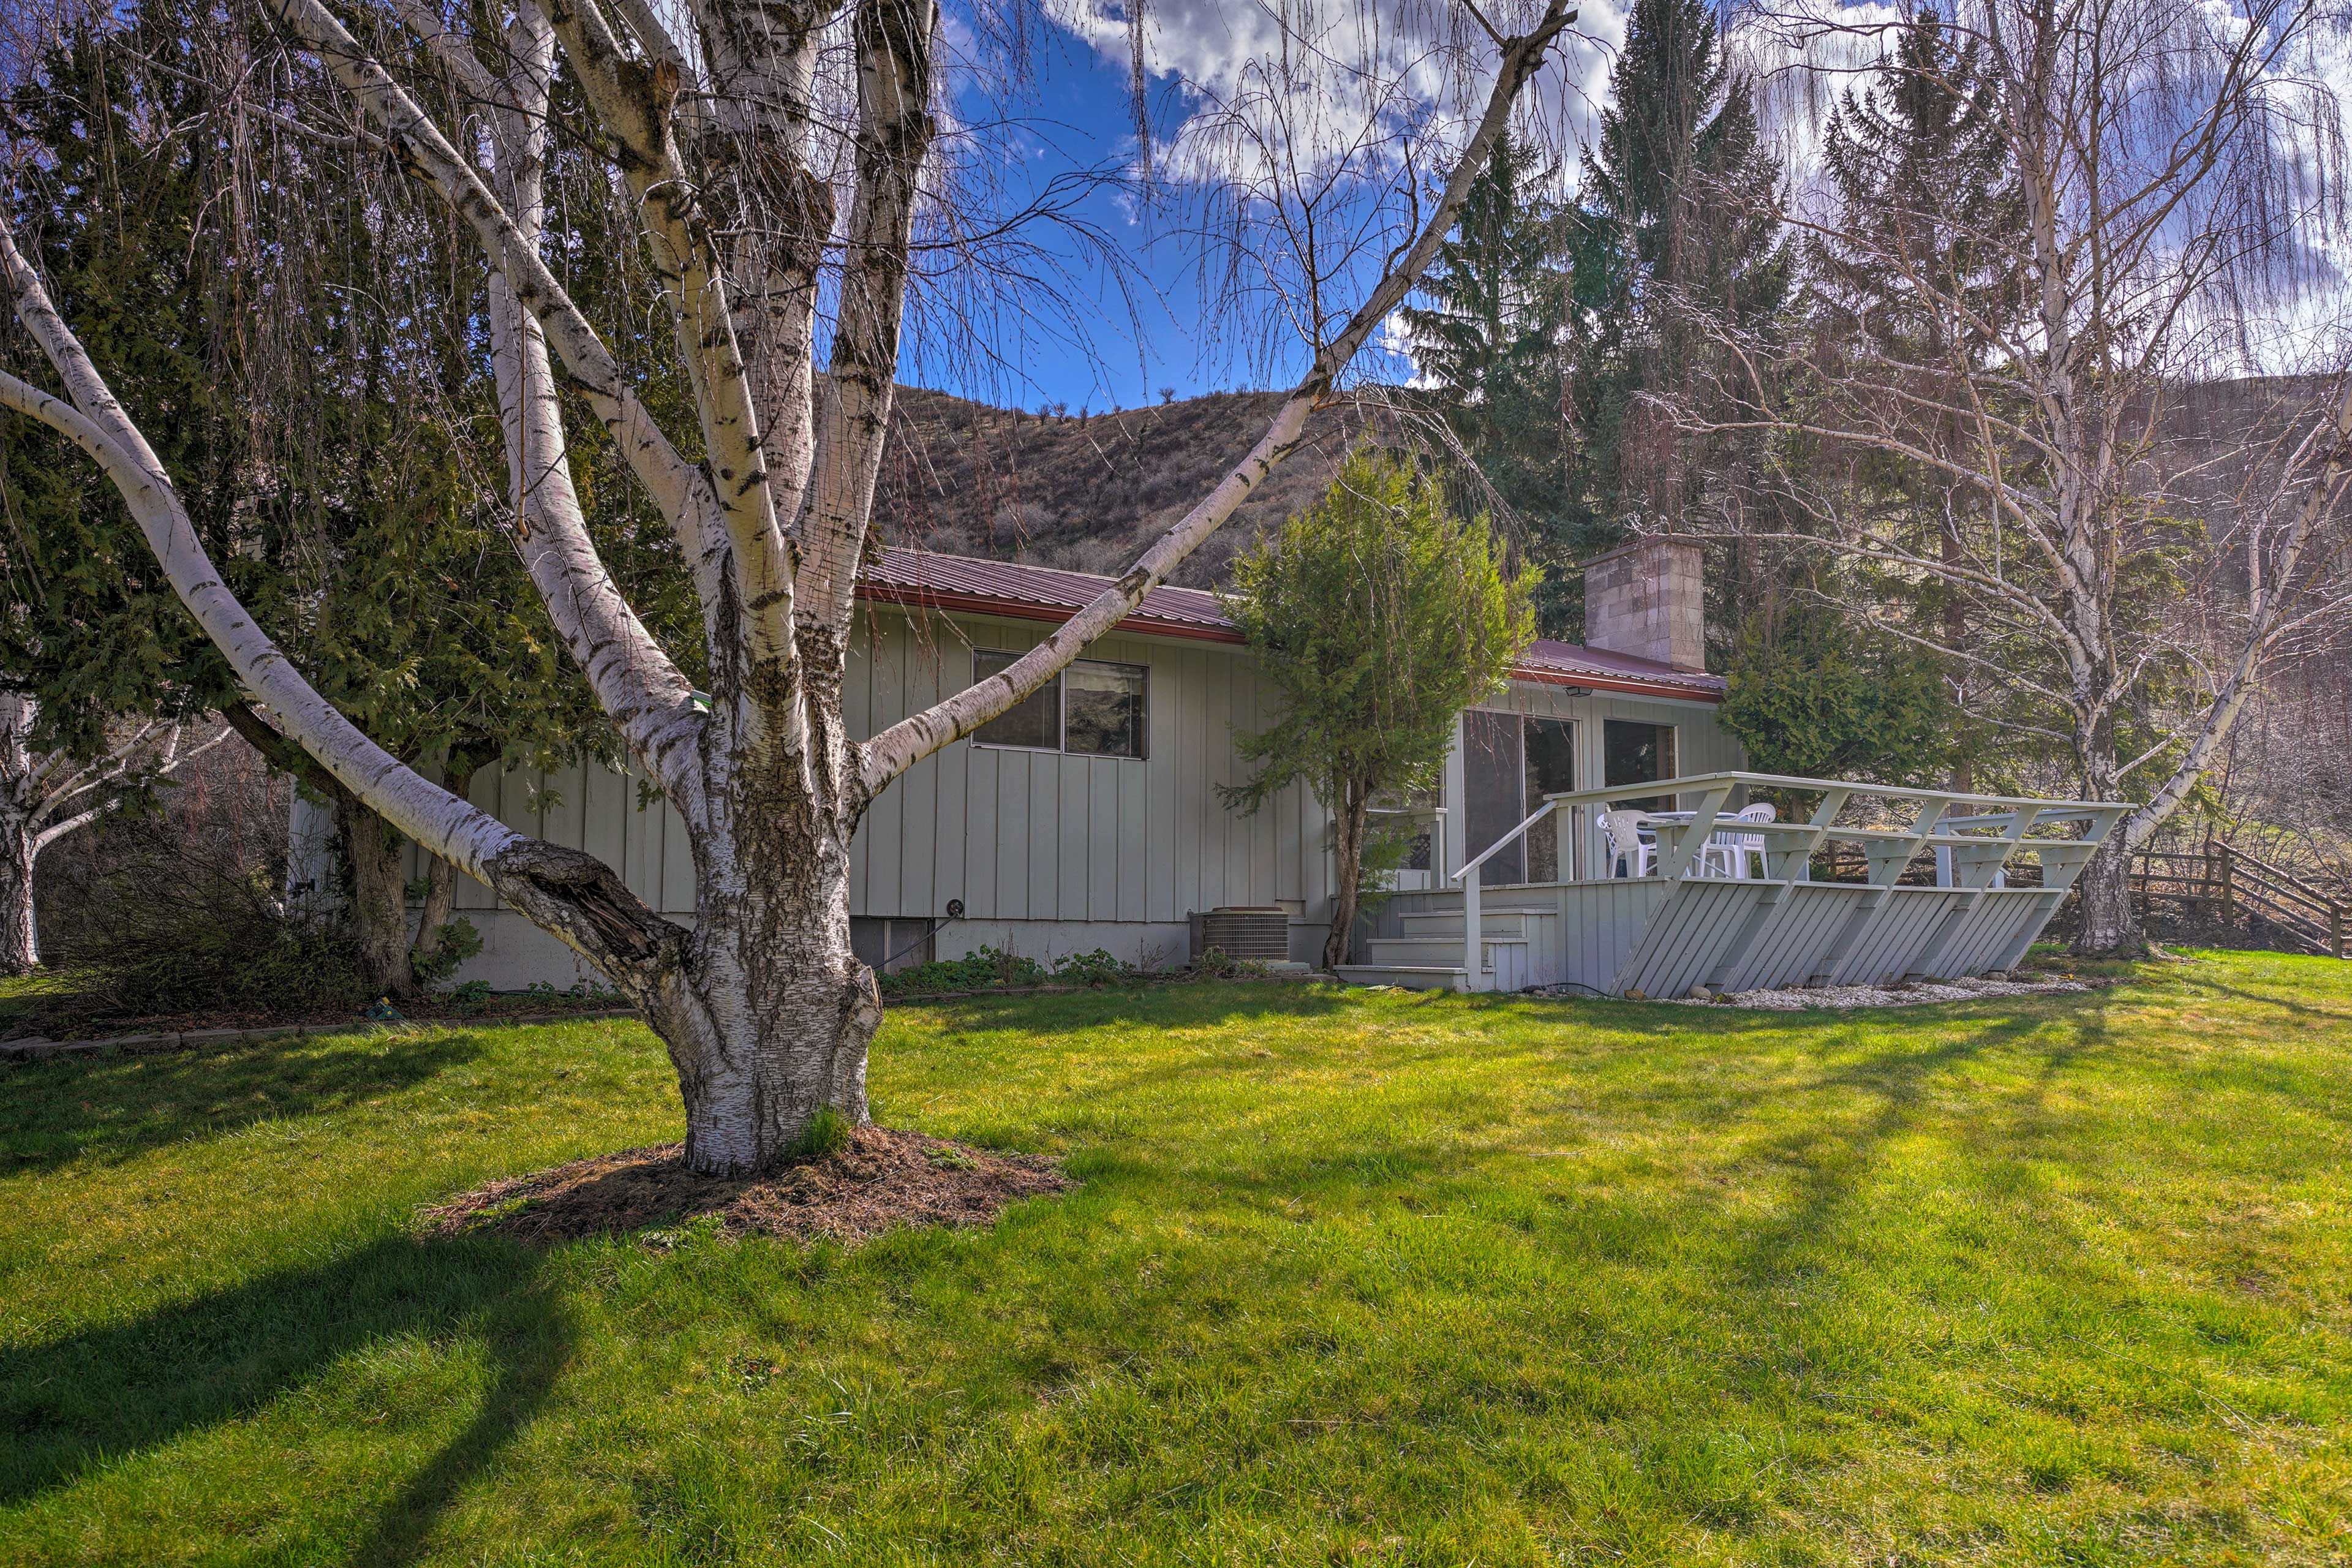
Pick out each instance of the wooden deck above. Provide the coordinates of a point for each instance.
(1677, 933)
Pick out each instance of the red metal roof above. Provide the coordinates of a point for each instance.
(920, 579)
(1572, 663)
(1033, 594)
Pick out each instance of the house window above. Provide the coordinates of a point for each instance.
(1093, 709)
(1035, 721)
(1102, 710)
(1633, 753)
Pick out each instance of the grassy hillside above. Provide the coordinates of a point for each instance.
(1088, 492)
(1353, 1279)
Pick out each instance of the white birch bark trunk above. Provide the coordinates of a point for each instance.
(767, 1014)
(20, 945)
(20, 948)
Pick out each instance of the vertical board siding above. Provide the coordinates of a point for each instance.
(921, 802)
(1192, 781)
(605, 807)
(984, 847)
(1038, 836)
(1133, 842)
(883, 832)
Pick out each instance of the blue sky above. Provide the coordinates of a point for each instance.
(1102, 340)
(1089, 342)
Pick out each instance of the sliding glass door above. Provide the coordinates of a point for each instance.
(1509, 763)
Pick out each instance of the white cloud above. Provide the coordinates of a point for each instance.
(1318, 83)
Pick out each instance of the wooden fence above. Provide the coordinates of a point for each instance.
(2218, 883)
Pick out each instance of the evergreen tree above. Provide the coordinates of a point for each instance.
(1488, 336)
(1921, 178)
(1487, 333)
(1379, 615)
(333, 481)
(1675, 240)
(1814, 696)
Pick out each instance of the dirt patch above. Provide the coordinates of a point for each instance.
(882, 1180)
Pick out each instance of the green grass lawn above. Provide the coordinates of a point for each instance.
(1354, 1278)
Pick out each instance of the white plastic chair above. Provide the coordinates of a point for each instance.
(1729, 851)
(1626, 845)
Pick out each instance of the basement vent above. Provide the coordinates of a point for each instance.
(1260, 932)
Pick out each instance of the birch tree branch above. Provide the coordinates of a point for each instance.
(426, 155)
(895, 40)
(636, 104)
(903, 745)
(573, 895)
(2262, 627)
(634, 681)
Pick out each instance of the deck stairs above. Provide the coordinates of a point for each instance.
(1430, 955)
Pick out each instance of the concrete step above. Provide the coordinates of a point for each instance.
(1410, 977)
(1421, 951)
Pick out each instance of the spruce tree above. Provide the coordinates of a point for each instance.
(1674, 241)
(1488, 338)
(1921, 180)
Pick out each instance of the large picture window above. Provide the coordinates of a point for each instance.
(1093, 709)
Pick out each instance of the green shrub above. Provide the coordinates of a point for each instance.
(981, 969)
(169, 914)
(1096, 968)
(452, 946)
(240, 959)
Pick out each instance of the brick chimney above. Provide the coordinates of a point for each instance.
(1648, 599)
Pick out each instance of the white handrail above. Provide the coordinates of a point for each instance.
(2011, 818)
(1474, 967)
(1695, 782)
(1551, 802)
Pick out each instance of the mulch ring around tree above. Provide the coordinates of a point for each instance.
(882, 1179)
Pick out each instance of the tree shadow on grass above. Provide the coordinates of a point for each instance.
(1176, 1006)
(105, 1394)
(115, 1106)
(1839, 1159)
(2276, 1001)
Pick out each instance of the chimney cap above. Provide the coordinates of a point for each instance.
(1644, 542)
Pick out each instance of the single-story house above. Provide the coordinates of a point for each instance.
(1089, 816)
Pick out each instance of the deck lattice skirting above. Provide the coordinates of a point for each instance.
(1677, 933)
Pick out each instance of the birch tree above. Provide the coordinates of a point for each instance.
(2175, 168)
(773, 158)
(323, 404)
(48, 791)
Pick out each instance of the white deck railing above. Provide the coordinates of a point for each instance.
(1972, 850)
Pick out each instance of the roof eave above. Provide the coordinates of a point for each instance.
(1153, 625)
(1029, 610)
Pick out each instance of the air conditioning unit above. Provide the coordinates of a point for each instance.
(1260, 932)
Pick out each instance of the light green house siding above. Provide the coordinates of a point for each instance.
(1054, 852)
(1049, 853)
